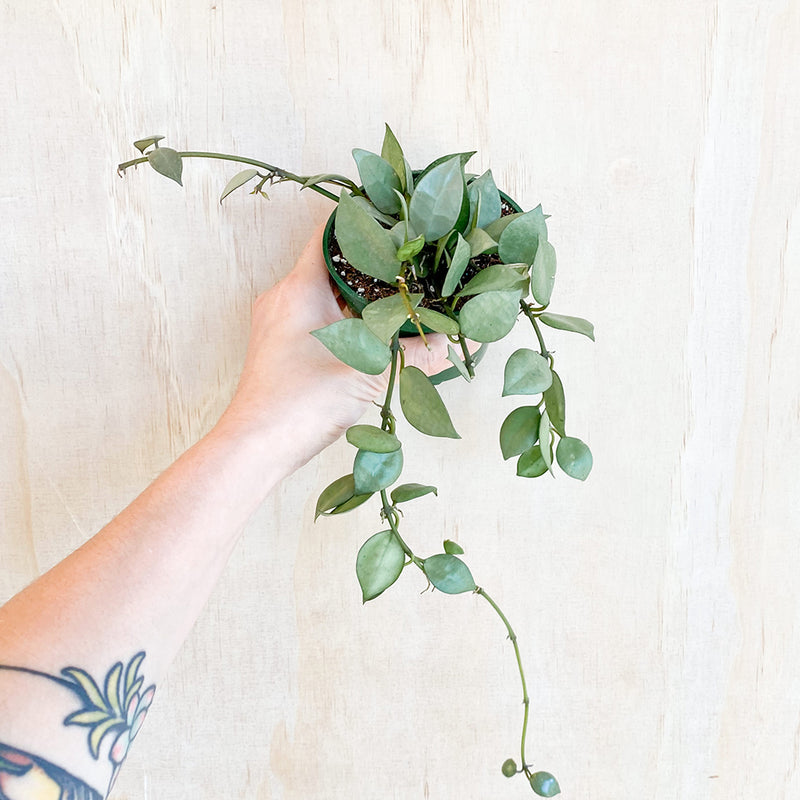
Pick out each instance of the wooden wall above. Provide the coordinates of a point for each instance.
(656, 604)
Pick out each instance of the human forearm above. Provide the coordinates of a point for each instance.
(137, 586)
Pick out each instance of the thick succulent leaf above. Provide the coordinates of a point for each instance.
(458, 264)
(384, 317)
(239, 179)
(490, 316)
(378, 564)
(463, 158)
(364, 243)
(455, 359)
(519, 241)
(393, 154)
(365, 204)
(519, 431)
(574, 457)
(379, 180)
(409, 249)
(543, 273)
(480, 242)
(448, 573)
(375, 471)
(556, 404)
(545, 445)
(531, 464)
(544, 784)
(438, 322)
(354, 502)
(352, 342)
(453, 548)
(422, 406)
(436, 203)
(565, 323)
(168, 162)
(526, 372)
(411, 491)
(142, 144)
(485, 188)
(370, 437)
(496, 278)
(336, 493)
(495, 229)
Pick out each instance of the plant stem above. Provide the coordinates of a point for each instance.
(525, 699)
(468, 362)
(387, 417)
(276, 171)
(526, 309)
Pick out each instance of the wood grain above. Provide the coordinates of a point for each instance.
(657, 605)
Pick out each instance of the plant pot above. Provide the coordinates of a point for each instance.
(355, 302)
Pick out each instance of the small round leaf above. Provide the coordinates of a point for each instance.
(509, 768)
(544, 784)
(490, 316)
(449, 574)
(378, 564)
(369, 437)
(453, 548)
(526, 372)
(574, 457)
(375, 471)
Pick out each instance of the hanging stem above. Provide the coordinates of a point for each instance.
(387, 417)
(282, 174)
(525, 699)
(526, 309)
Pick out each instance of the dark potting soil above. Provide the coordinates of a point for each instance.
(373, 289)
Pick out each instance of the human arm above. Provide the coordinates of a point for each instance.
(138, 585)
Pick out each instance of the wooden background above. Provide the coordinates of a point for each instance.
(656, 604)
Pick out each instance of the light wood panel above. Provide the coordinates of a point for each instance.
(656, 605)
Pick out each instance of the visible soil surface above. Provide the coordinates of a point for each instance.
(373, 289)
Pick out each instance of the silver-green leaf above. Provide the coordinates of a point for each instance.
(370, 437)
(565, 323)
(168, 162)
(458, 264)
(436, 203)
(449, 574)
(422, 406)
(379, 179)
(375, 471)
(239, 179)
(543, 273)
(526, 372)
(352, 342)
(519, 241)
(364, 243)
(411, 491)
(519, 431)
(378, 564)
(384, 317)
(574, 457)
(490, 316)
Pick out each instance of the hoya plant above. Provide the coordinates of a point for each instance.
(414, 252)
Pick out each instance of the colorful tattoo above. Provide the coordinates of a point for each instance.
(117, 709)
(23, 777)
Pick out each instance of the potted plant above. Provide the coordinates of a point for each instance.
(413, 252)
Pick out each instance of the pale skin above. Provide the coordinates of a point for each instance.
(141, 582)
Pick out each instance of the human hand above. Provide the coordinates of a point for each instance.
(291, 380)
